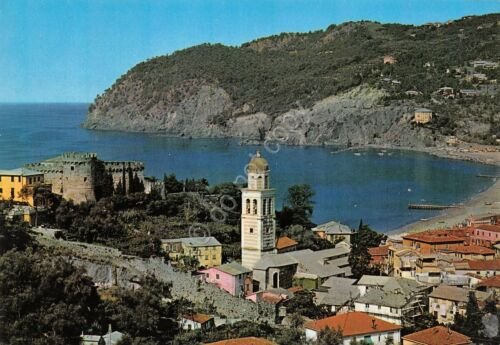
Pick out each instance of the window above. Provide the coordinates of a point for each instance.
(266, 181)
(251, 230)
(248, 206)
(217, 276)
(207, 275)
(206, 257)
(264, 206)
(12, 179)
(0, 178)
(379, 307)
(72, 168)
(12, 193)
(367, 306)
(254, 206)
(19, 179)
(214, 257)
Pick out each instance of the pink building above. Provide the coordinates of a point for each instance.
(486, 235)
(232, 277)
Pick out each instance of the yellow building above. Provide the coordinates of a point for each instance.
(423, 115)
(207, 250)
(17, 185)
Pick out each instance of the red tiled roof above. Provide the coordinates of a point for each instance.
(353, 323)
(379, 251)
(471, 249)
(199, 318)
(493, 282)
(482, 265)
(295, 289)
(439, 236)
(244, 341)
(285, 242)
(438, 335)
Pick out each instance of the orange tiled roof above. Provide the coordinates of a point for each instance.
(471, 249)
(295, 289)
(379, 251)
(439, 236)
(480, 265)
(353, 323)
(285, 242)
(438, 335)
(199, 318)
(244, 341)
(491, 282)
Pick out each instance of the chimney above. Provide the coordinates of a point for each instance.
(374, 326)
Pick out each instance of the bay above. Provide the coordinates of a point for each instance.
(374, 186)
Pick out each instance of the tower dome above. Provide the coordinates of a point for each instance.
(258, 164)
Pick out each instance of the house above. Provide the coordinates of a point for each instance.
(356, 325)
(402, 262)
(197, 321)
(469, 93)
(305, 268)
(18, 184)
(497, 250)
(390, 60)
(232, 277)
(446, 92)
(470, 252)
(337, 294)
(422, 116)
(334, 232)
(445, 301)
(427, 242)
(489, 219)
(491, 284)
(483, 268)
(21, 213)
(438, 335)
(484, 64)
(244, 341)
(110, 338)
(485, 234)
(397, 300)
(380, 257)
(207, 250)
(285, 244)
(445, 278)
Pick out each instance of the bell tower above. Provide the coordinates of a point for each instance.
(258, 223)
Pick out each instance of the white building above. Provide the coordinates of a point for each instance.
(258, 223)
(356, 325)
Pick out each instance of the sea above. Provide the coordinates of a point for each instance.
(375, 186)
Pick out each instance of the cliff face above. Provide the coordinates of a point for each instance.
(325, 87)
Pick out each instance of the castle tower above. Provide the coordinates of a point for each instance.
(258, 223)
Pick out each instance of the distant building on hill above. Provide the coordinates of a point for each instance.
(334, 232)
(232, 277)
(422, 115)
(207, 250)
(74, 175)
(390, 60)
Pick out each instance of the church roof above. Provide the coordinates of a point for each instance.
(258, 164)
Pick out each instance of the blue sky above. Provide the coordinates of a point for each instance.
(71, 50)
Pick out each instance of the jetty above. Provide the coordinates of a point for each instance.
(488, 176)
(431, 207)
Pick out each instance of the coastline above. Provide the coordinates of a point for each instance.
(486, 202)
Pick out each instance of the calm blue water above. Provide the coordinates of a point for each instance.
(348, 187)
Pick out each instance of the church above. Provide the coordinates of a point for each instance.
(258, 241)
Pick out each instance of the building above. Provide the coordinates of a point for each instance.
(484, 64)
(110, 338)
(485, 235)
(207, 250)
(428, 242)
(232, 277)
(18, 184)
(285, 244)
(334, 232)
(489, 219)
(197, 321)
(244, 341)
(337, 294)
(491, 284)
(438, 335)
(402, 262)
(390, 60)
(445, 301)
(72, 174)
(497, 250)
(397, 300)
(422, 116)
(356, 325)
(483, 268)
(305, 268)
(21, 213)
(470, 252)
(258, 223)
(380, 257)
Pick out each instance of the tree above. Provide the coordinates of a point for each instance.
(14, 236)
(328, 336)
(298, 208)
(471, 324)
(302, 303)
(359, 257)
(490, 306)
(172, 185)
